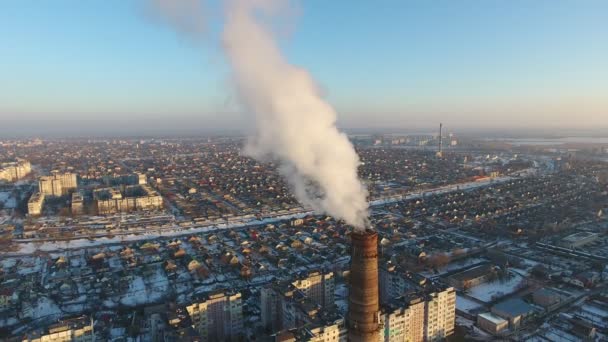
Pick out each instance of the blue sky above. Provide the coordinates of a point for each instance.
(382, 64)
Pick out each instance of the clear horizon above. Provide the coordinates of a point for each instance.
(112, 67)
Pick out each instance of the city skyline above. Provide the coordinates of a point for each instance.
(96, 68)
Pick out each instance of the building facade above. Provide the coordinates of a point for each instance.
(440, 315)
(58, 184)
(403, 320)
(219, 317)
(137, 197)
(317, 286)
(77, 203)
(35, 204)
(280, 302)
(73, 330)
(15, 171)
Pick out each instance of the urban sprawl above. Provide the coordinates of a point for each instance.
(166, 239)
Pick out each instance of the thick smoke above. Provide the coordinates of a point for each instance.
(294, 125)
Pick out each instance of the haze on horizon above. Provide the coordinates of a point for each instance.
(105, 67)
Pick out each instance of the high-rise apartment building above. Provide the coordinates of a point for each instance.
(419, 317)
(58, 184)
(436, 303)
(440, 314)
(403, 320)
(219, 317)
(271, 308)
(134, 197)
(317, 286)
(279, 300)
(15, 171)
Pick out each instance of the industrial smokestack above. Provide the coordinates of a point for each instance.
(363, 301)
(440, 150)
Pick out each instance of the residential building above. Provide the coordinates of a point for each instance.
(35, 204)
(440, 315)
(75, 330)
(15, 171)
(218, 317)
(271, 308)
(333, 331)
(317, 286)
(58, 184)
(77, 203)
(403, 320)
(135, 197)
(395, 282)
(280, 300)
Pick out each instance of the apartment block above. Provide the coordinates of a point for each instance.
(219, 317)
(403, 320)
(35, 204)
(58, 184)
(15, 171)
(440, 314)
(133, 198)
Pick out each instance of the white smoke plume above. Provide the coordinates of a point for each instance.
(294, 125)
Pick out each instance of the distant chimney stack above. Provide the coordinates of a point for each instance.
(440, 150)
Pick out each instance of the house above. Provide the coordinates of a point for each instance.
(588, 278)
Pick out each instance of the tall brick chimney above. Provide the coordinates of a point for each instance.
(363, 302)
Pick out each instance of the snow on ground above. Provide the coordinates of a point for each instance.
(8, 263)
(30, 266)
(466, 304)
(8, 321)
(136, 294)
(146, 290)
(48, 246)
(44, 308)
(595, 310)
(463, 322)
(486, 292)
(9, 201)
(560, 335)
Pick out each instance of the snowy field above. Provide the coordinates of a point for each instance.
(487, 292)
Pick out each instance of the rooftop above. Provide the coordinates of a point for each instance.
(492, 318)
(513, 307)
